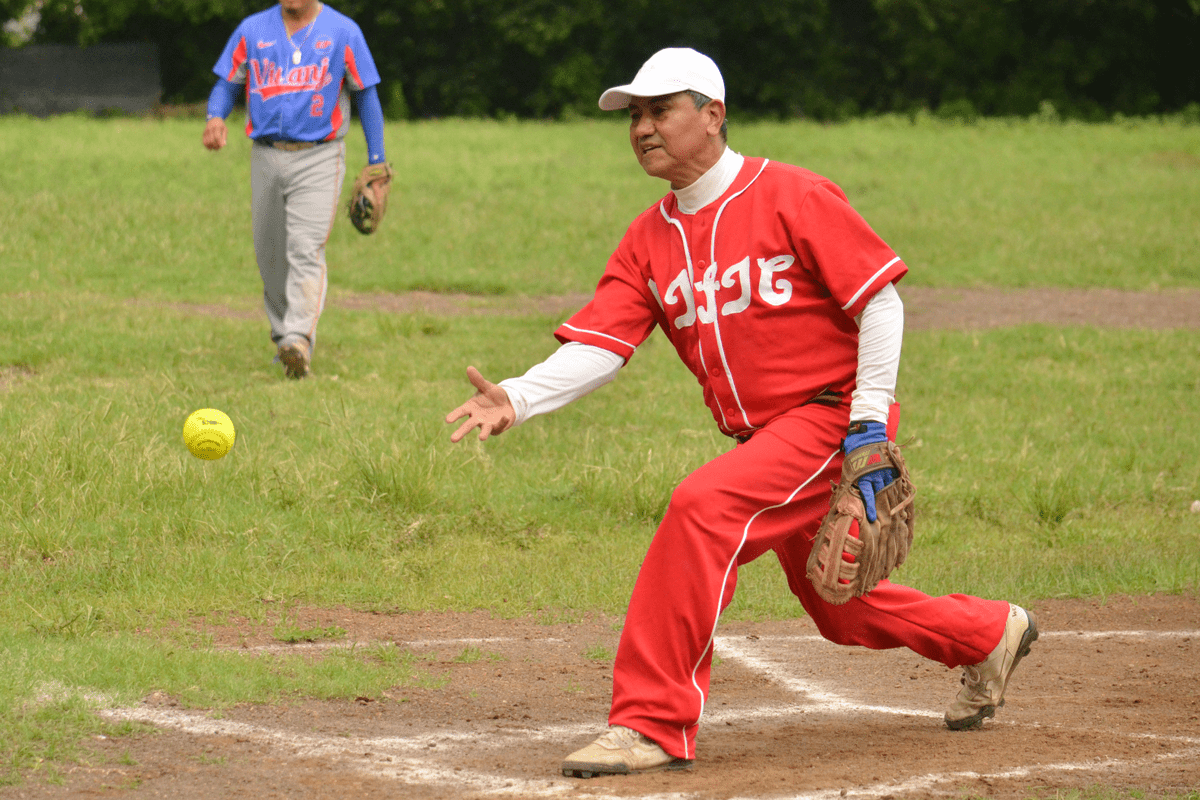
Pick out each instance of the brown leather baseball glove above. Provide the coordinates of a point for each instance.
(851, 555)
(368, 202)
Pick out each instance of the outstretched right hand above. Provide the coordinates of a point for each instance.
(489, 410)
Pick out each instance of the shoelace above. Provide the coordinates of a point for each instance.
(620, 737)
(973, 679)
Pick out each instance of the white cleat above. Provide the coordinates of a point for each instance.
(983, 684)
(620, 751)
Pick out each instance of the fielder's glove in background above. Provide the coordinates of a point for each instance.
(368, 202)
(876, 543)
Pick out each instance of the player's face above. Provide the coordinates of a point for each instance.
(298, 8)
(673, 139)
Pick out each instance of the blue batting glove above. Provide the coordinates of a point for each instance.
(862, 433)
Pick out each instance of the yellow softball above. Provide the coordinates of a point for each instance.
(208, 433)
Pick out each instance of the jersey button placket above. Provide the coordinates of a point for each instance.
(708, 343)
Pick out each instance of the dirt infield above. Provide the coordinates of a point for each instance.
(1107, 696)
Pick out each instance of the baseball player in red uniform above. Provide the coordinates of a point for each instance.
(297, 63)
(781, 300)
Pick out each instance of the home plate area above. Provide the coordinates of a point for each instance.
(1105, 698)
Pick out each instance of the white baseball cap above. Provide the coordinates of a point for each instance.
(670, 70)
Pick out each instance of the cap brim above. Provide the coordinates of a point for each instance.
(618, 97)
(615, 98)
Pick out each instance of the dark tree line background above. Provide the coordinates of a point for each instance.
(822, 59)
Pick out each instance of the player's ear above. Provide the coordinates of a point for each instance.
(714, 111)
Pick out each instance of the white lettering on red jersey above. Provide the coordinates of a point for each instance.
(757, 291)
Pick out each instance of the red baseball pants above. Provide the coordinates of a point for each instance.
(769, 493)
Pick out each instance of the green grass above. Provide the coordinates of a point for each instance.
(1041, 454)
(291, 633)
(142, 210)
(1015, 203)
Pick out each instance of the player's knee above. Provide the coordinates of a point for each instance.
(833, 633)
(690, 499)
(696, 520)
(834, 623)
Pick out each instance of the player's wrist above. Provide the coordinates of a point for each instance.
(863, 432)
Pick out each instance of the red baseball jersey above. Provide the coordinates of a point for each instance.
(757, 291)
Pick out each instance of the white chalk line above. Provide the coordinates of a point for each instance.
(1120, 634)
(826, 700)
(401, 759)
(406, 759)
(927, 783)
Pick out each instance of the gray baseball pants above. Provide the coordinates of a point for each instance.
(294, 200)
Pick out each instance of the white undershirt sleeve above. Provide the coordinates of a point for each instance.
(880, 334)
(571, 371)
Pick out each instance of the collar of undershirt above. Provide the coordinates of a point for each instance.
(711, 185)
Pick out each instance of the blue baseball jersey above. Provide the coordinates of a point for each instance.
(302, 97)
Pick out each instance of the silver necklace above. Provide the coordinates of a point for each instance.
(311, 26)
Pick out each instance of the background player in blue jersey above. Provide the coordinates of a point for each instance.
(297, 63)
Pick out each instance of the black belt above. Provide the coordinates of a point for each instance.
(284, 144)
